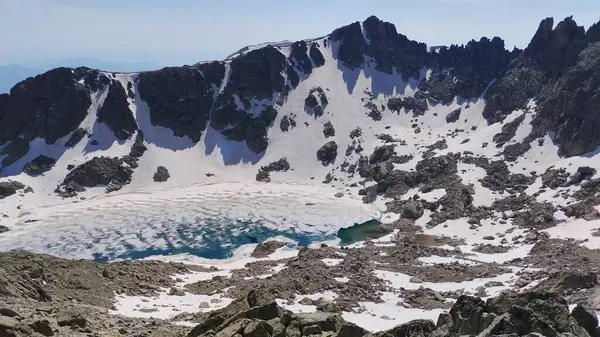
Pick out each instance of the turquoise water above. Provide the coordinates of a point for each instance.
(213, 239)
(360, 232)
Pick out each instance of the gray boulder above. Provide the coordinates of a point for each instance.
(327, 153)
(161, 174)
(453, 116)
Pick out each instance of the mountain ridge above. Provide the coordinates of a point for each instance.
(360, 109)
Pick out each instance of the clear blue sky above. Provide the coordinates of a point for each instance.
(186, 31)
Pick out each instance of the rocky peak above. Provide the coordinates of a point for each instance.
(554, 49)
(484, 52)
(392, 50)
(258, 73)
(593, 33)
(352, 45)
(299, 57)
(48, 106)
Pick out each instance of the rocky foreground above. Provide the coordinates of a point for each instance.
(41, 295)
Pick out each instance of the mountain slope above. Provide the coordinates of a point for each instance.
(364, 110)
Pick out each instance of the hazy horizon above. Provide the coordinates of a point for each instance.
(186, 32)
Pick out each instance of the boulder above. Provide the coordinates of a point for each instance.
(43, 327)
(161, 174)
(8, 326)
(71, 319)
(258, 328)
(453, 116)
(266, 248)
(586, 317)
(327, 306)
(327, 153)
(328, 130)
(415, 328)
(350, 330)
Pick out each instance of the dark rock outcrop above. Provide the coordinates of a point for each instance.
(287, 123)
(48, 106)
(253, 130)
(99, 171)
(115, 112)
(571, 106)
(161, 174)
(508, 131)
(257, 314)
(327, 153)
(281, 165)
(299, 57)
(453, 116)
(328, 130)
(316, 56)
(472, 68)
(181, 98)
(410, 104)
(76, 137)
(383, 43)
(8, 188)
(264, 249)
(39, 165)
(14, 151)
